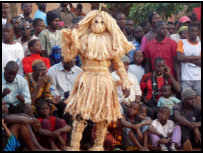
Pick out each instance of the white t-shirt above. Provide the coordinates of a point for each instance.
(176, 37)
(189, 71)
(138, 71)
(12, 52)
(163, 129)
(135, 90)
(4, 21)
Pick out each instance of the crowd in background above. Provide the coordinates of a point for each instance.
(163, 111)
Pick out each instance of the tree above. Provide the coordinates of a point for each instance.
(140, 11)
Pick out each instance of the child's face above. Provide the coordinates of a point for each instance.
(133, 109)
(138, 57)
(4, 107)
(198, 100)
(142, 114)
(44, 110)
(166, 92)
(40, 27)
(37, 47)
(163, 115)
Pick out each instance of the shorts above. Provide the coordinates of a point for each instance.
(12, 144)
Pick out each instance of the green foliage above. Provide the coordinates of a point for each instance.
(140, 11)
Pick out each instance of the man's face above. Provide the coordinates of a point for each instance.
(16, 25)
(25, 29)
(193, 32)
(68, 65)
(5, 9)
(40, 70)
(10, 75)
(191, 101)
(171, 29)
(55, 24)
(121, 20)
(138, 33)
(159, 67)
(129, 26)
(8, 33)
(155, 19)
(27, 8)
(162, 30)
(42, 6)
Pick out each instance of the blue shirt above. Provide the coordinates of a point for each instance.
(131, 53)
(41, 15)
(18, 86)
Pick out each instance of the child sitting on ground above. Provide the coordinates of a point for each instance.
(53, 131)
(136, 68)
(132, 135)
(18, 128)
(167, 100)
(163, 131)
(35, 48)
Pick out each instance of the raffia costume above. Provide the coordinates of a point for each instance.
(100, 43)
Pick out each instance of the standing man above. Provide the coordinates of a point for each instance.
(138, 34)
(189, 55)
(41, 12)
(50, 38)
(129, 30)
(65, 15)
(121, 21)
(6, 16)
(161, 46)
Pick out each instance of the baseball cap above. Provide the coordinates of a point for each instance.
(184, 19)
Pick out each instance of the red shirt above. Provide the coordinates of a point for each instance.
(165, 49)
(27, 62)
(146, 85)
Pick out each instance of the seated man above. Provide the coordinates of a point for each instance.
(135, 92)
(39, 84)
(152, 82)
(63, 76)
(14, 87)
(188, 115)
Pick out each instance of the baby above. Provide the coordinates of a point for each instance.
(167, 100)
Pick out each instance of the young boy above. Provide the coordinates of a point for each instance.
(167, 100)
(38, 26)
(54, 129)
(11, 50)
(35, 48)
(137, 68)
(163, 131)
(18, 128)
(132, 133)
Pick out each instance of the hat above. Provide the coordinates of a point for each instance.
(125, 59)
(187, 92)
(51, 16)
(182, 29)
(184, 19)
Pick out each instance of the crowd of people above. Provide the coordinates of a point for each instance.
(162, 112)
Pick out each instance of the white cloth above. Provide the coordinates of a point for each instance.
(4, 21)
(176, 37)
(13, 52)
(163, 129)
(135, 90)
(190, 71)
(138, 71)
(62, 81)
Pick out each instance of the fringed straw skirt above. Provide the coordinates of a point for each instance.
(94, 97)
